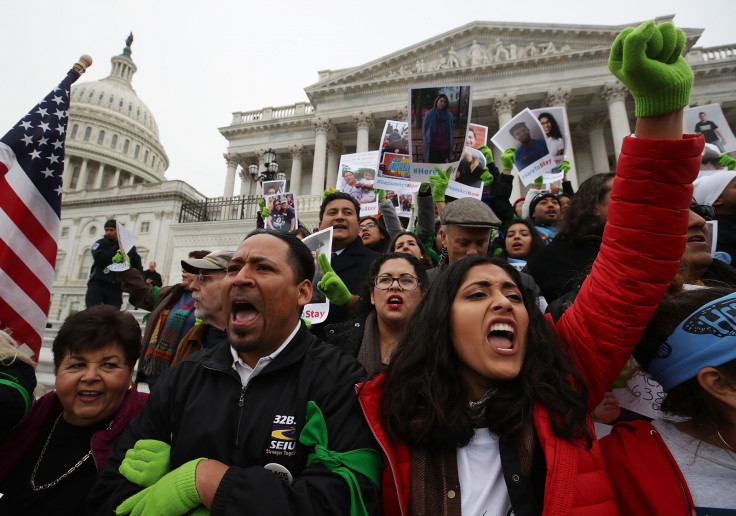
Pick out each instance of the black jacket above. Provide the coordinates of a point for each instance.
(200, 402)
(102, 253)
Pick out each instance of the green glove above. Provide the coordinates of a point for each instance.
(365, 461)
(380, 193)
(423, 187)
(727, 161)
(264, 209)
(648, 60)
(413, 207)
(327, 192)
(440, 182)
(565, 167)
(508, 158)
(539, 181)
(331, 285)
(487, 153)
(174, 494)
(307, 323)
(118, 257)
(486, 177)
(146, 462)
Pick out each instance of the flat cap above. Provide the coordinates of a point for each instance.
(469, 212)
(217, 260)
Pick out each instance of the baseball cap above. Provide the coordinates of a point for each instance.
(217, 260)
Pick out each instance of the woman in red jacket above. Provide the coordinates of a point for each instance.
(485, 405)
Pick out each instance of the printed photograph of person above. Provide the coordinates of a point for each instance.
(470, 168)
(396, 138)
(274, 187)
(319, 242)
(552, 133)
(349, 184)
(282, 212)
(709, 121)
(477, 135)
(439, 116)
(525, 134)
(405, 202)
(366, 177)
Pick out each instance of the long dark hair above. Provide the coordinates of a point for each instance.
(554, 130)
(580, 222)
(425, 400)
(537, 241)
(688, 399)
(426, 260)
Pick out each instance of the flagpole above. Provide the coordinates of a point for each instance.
(84, 62)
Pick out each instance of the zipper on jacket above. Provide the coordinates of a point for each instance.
(241, 402)
(383, 449)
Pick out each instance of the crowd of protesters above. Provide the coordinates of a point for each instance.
(464, 367)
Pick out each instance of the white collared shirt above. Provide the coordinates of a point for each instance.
(247, 372)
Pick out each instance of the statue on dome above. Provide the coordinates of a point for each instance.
(129, 40)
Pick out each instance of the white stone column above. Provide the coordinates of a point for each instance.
(334, 151)
(561, 97)
(68, 173)
(82, 179)
(363, 123)
(322, 126)
(232, 161)
(98, 178)
(297, 155)
(116, 177)
(245, 182)
(593, 124)
(614, 93)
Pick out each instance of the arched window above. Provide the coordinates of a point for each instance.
(87, 134)
(126, 146)
(137, 151)
(145, 157)
(75, 127)
(114, 141)
(85, 264)
(59, 262)
(100, 137)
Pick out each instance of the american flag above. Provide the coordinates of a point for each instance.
(31, 167)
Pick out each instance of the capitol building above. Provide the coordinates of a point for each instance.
(115, 164)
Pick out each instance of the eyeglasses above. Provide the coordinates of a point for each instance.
(204, 278)
(406, 282)
(705, 211)
(368, 225)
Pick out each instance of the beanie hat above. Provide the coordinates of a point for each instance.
(111, 224)
(537, 198)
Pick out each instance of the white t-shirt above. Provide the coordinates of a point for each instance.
(710, 472)
(482, 487)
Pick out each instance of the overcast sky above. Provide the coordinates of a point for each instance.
(198, 64)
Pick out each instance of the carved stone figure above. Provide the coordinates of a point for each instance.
(452, 60)
(512, 51)
(532, 50)
(549, 49)
(475, 54)
(419, 66)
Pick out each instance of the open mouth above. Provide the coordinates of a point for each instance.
(501, 338)
(395, 301)
(88, 396)
(696, 238)
(243, 313)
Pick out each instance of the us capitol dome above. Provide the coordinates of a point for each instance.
(112, 137)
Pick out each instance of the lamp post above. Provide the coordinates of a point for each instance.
(272, 169)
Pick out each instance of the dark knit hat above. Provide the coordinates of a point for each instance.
(111, 224)
(539, 197)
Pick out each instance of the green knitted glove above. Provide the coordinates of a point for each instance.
(307, 323)
(508, 158)
(539, 181)
(486, 177)
(118, 258)
(146, 462)
(174, 494)
(486, 152)
(648, 60)
(565, 167)
(440, 182)
(380, 193)
(327, 192)
(423, 187)
(331, 285)
(727, 161)
(265, 212)
(413, 207)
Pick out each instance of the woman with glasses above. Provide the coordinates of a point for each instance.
(552, 133)
(398, 282)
